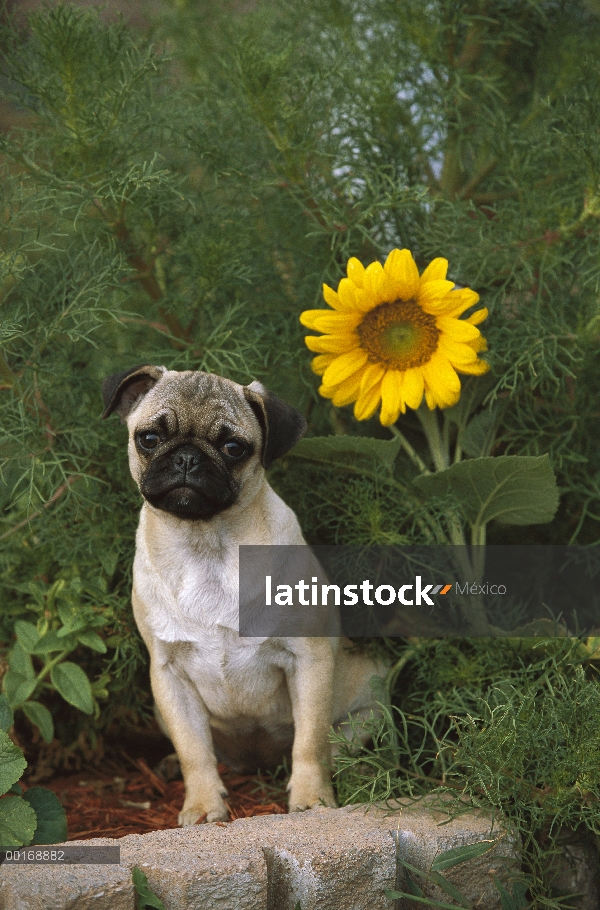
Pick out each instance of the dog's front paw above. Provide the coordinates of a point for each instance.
(310, 787)
(192, 813)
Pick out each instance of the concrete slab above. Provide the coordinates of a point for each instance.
(325, 859)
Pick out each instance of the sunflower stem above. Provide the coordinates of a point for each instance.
(469, 565)
(431, 427)
(414, 457)
(478, 549)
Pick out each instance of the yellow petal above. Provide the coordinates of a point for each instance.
(478, 316)
(356, 272)
(387, 418)
(367, 403)
(431, 295)
(441, 380)
(346, 392)
(455, 351)
(437, 399)
(457, 301)
(479, 344)
(345, 366)
(453, 399)
(327, 391)
(477, 368)
(457, 329)
(320, 363)
(331, 344)
(392, 402)
(402, 271)
(332, 298)
(435, 270)
(308, 317)
(375, 283)
(347, 294)
(413, 387)
(336, 323)
(353, 298)
(372, 374)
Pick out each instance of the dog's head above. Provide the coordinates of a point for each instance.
(197, 442)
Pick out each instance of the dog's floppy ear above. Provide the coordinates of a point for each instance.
(282, 425)
(121, 391)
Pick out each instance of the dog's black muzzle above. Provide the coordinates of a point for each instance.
(188, 483)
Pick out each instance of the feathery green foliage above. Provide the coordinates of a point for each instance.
(180, 200)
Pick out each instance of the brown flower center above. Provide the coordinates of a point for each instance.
(399, 335)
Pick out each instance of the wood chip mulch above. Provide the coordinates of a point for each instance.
(140, 802)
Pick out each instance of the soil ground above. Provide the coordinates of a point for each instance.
(139, 801)
(121, 784)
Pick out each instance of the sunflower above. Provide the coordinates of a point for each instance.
(394, 336)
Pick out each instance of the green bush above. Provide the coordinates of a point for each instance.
(180, 198)
(31, 817)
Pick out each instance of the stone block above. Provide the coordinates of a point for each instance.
(72, 887)
(575, 869)
(419, 842)
(201, 867)
(323, 859)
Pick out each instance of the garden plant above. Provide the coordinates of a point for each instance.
(410, 190)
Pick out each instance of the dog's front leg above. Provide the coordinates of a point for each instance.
(186, 719)
(310, 684)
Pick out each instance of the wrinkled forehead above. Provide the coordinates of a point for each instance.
(195, 402)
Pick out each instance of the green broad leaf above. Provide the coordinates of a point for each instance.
(451, 890)
(477, 438)
(17, 688)
(66, 634)
(20, 661)
(6, 714)
(70, 681)
(17, 822)
(348, 451)
(515, 901)
(12, 763)
(39, 715)
(50, 642)
(520, 898)
(474, 390)
(457, 855)
(505, 898)
(146, 897)
(513, 489)
(27, 635)
(412, 886)
(71, 618)
(92, 640)
(51, 816)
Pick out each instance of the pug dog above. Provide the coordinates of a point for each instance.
(199, 446)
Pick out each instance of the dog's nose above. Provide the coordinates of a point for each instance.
(188, 459)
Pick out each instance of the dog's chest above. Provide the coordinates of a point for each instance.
(191, 611)
(189, 596)
(235, 679)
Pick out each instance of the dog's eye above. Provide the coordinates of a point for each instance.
(148, 440)
(233, 449)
